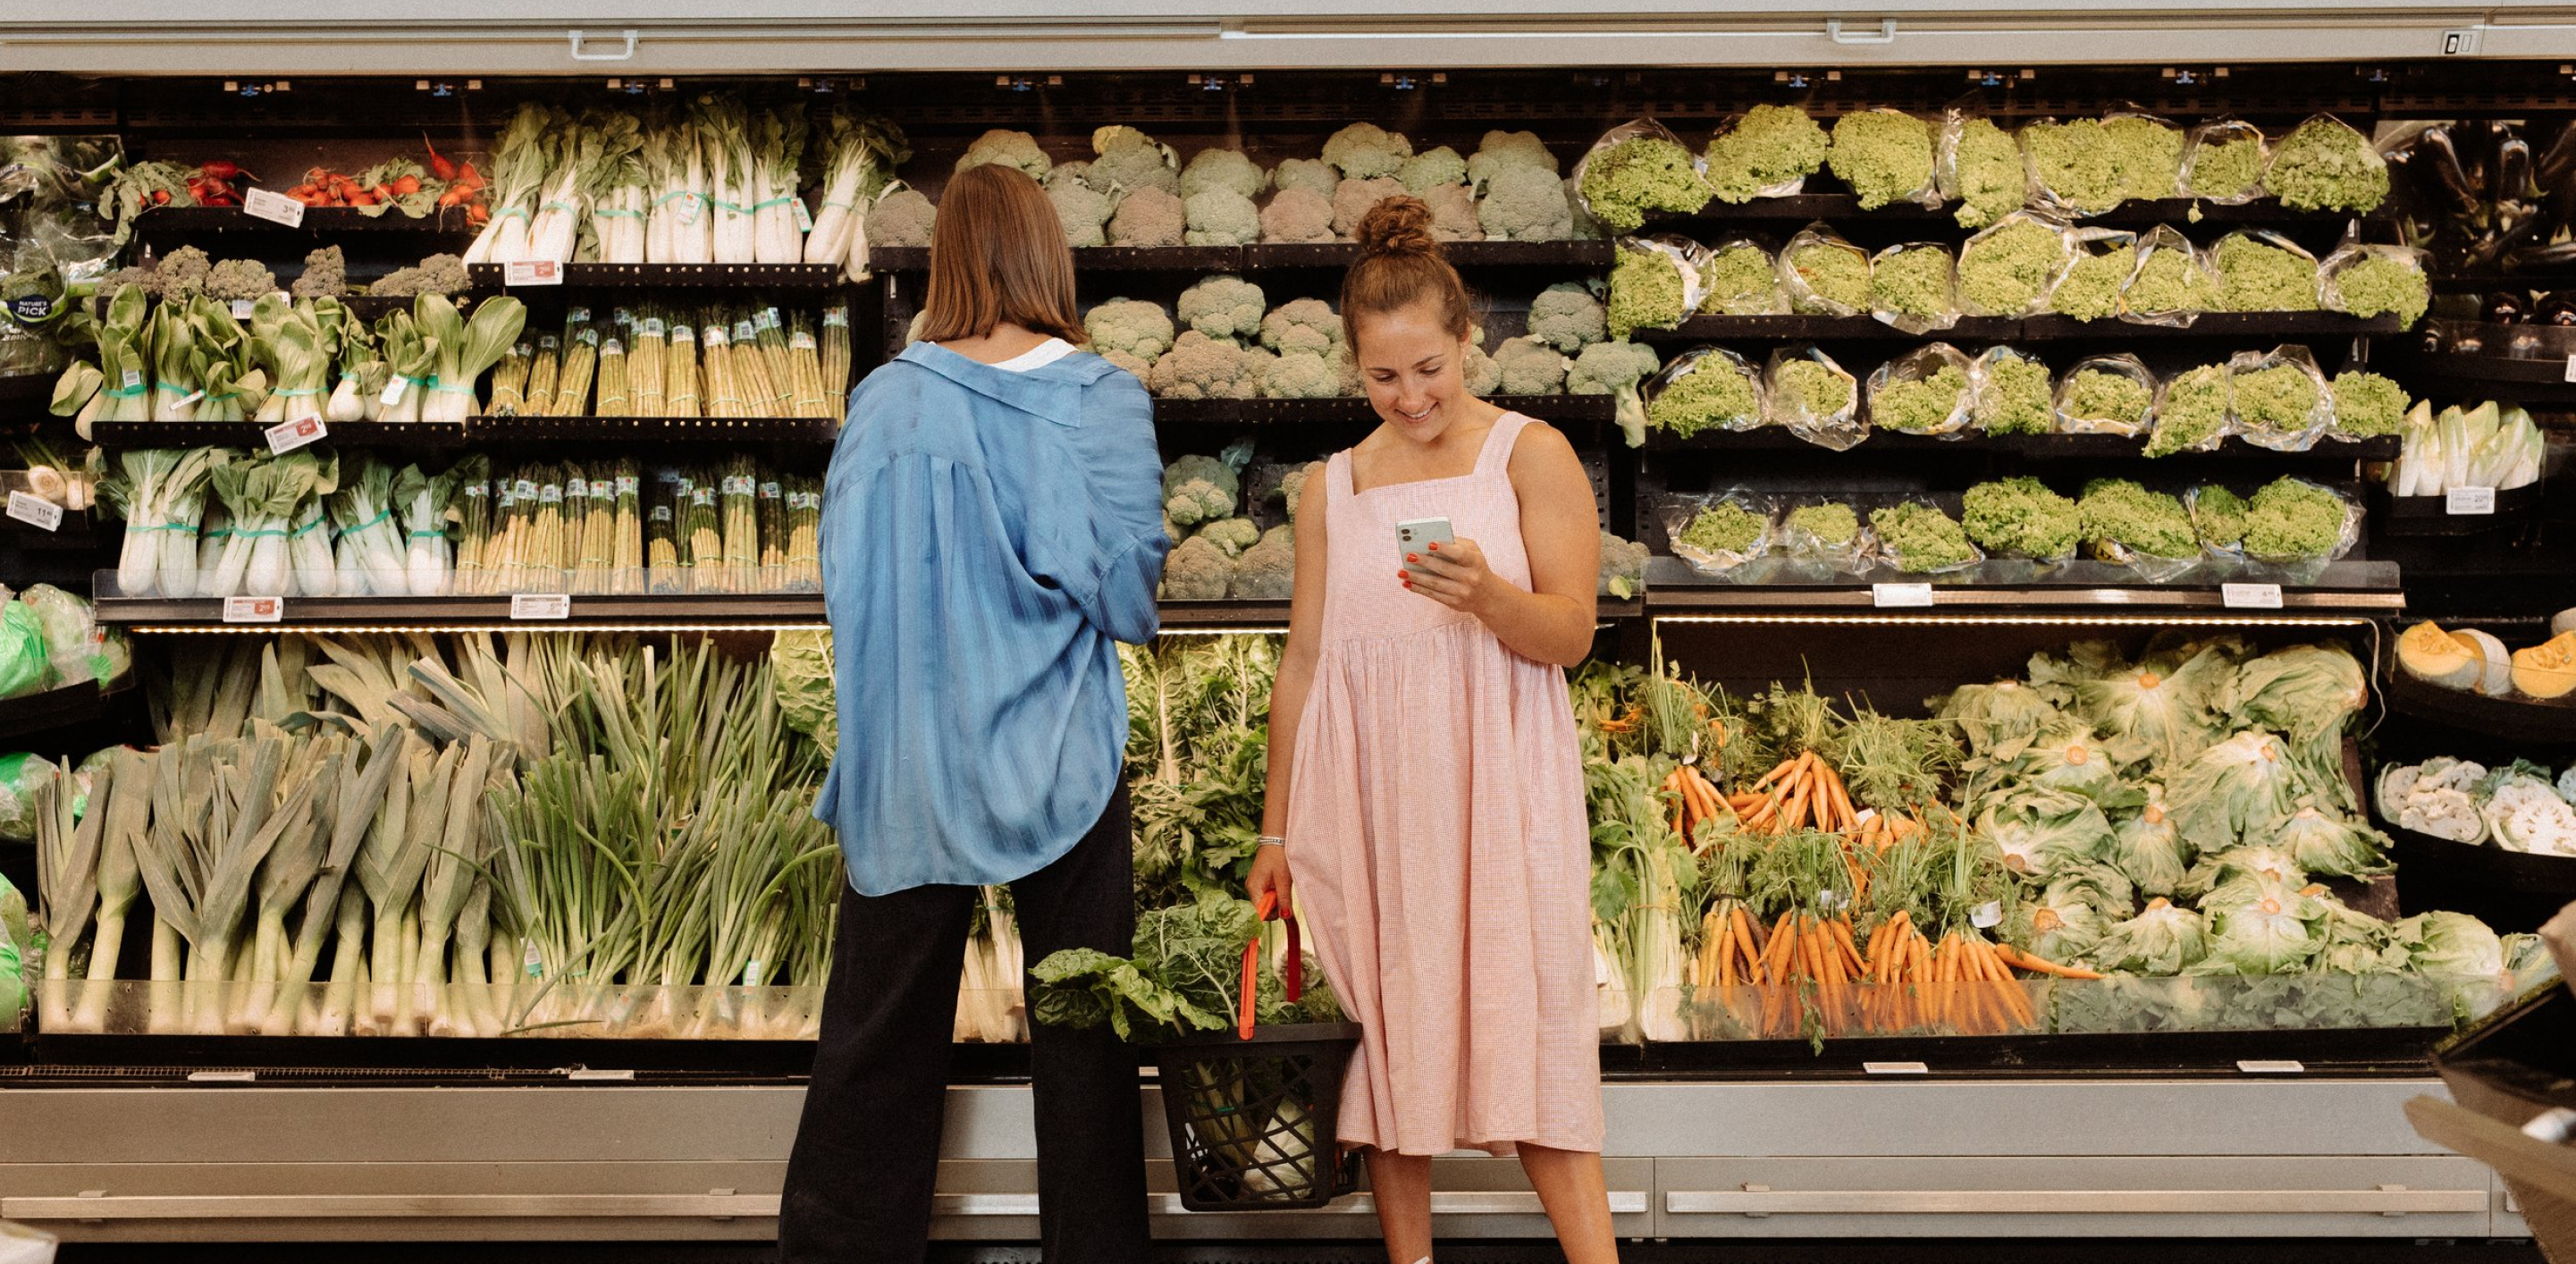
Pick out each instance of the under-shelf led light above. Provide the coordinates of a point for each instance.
(347, 629)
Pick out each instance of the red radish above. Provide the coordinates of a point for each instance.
(440, 166)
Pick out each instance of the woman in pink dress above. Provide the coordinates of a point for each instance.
(1426, 787)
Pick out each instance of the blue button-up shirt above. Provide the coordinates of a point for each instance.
(987, 537)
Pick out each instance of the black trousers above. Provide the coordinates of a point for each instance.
(867, 1149)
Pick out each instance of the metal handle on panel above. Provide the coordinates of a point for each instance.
(2387, 1200)
(1623, 1202)
(391, 1206)
(1886, 32)
(625, 54)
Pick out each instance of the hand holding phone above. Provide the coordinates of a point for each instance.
(1417, 535)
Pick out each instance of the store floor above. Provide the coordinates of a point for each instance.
(1915, 1251)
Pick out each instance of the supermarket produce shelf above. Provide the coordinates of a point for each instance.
(1800, 208)
(2523, 720)
(439, 436)
(29, 714)
(2453, 374)
(1279, 256)
(2064, 446)
(2024, 330)
(250, 434)
(488, 277)
(1186, 617)
(1354, 409)
(173, 221)
(582, 612)
(2523, 873)
(1673, 589)
(2515, 508)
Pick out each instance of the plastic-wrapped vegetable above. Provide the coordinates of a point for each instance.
(1814, 398)
(1656, 283)
(1823, 274)
(2006, 270)
(2374, 279)
(1885, 156)
(1707, 388)
(2223, 162)
(2112, 394)
(2074, 168)
(2090, 289)
(1918, 538)
(1716, 534)
(2014, 393)
(2325, 165)
(2195, 411)
(1743, 279)
(1913, 287)
(2263, 271)
(1826, 533)
(2173, 284)
(24, 666)
(20, 774)
(1768, 151)
(2295, 523)
(2147, 531)
(1926, 391)
(1979, 167)
(2279, 398)
(1638, 168)
(75, 648)
(2150, 154)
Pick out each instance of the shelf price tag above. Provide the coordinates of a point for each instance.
(1900, 596)
(2571, 368)
(254, 609)
(276, 208)
(2269, 1066)
(540, 606)
(2461, 502)
(1894, 1068)
(532, 272)
(287, 436)
(2250, 596)
(1987, 916)
(35, 511)
(244, 309)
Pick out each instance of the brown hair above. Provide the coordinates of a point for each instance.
(1401, 264)
(997, 254)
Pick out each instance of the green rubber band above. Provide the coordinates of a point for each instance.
(307, 528)
(429, 535)
(565, 207)
(124, 392)
(293, 393)
(191, 528)
(776, 201)
(615, 213)
(354, 528)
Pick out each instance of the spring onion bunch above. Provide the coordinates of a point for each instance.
(680, 226)
(363, 510)
(733, 174)
(779, 220)
(613, 183)
(864, 152)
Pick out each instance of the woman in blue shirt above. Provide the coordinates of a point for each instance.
(992, 527)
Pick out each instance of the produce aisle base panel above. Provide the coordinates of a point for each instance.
(2297, 1158)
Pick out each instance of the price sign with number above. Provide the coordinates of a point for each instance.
(532, 272)
(254, 609)
(277, 208)
(287, 436)
(540, 606)
(2250, 596)
(2461, 502)
(35, 511)
(1900, 596)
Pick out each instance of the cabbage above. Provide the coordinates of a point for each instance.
(2241, 875)
(1990, 716)
(801, 675)
(2092, 884)
(2058, 932)
(2321, 842)
(2451, 944)
(2276, 932)
(2161, 939)
(2305, 692)
(2066, 756)
(2043, 831)
(2166, 705)
(2148, 850)
(2245, 782)
(2357, 943)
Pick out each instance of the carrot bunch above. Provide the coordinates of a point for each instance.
(1804, 792)
(1797, 954)
(1695, 802)
(1964, 982)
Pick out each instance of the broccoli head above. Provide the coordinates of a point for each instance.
(1010, 148)
(1354, 199)
(1125, 160)
(1311, 174)
(1233, 535)
(1139, 328)
(1221, 217)
(1222, 306)
(1366, 151)
(1453, 212)
(1149, 217)
(1268, 570)
(901, 218)
(326, 275)
(1197, 570)
(1084, 212)
(1298, 216)
(240, 278)
(437, 274)
(1223, 169)
(1198, 489)
(1432, 168)
(182, 273)
(1304, 326)
(1302, 375)
(1530, 366)
(1884, 155)
(1568, 317)
(1200, 367)
(1641, 174)
(1623, 567)
(1292, 486)
(1504, 151)
(1525, 204)
(1608, 368)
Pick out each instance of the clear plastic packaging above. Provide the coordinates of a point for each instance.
(2015, 393)
(1736, 286)
(1834, 284)
(1786, 186)
(2376, 258)
(2264, 391)
(2297, 565)
(2215, 167)
(2087, 406)
(2007, 270)
(1911, 542)
(1829, 534)
(1736, 526)
(1690, 394)
(1632, 307)
(1914, 287)
(1888, 177)
(2172, 284)
(1978, 165)
(2195, 411)
(1807, 402)
(2072, 167)
(2150, 150)
(1626, 213)
(1905, 392)
(2333, 186)
(2099, 263)
(2218, 515)
(2152, 568)
(2251, 289)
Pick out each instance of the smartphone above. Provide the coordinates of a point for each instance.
(1415, 535)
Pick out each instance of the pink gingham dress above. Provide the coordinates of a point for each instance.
(1438, 836)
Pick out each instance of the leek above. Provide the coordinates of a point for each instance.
(778, 213)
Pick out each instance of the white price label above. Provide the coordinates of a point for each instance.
(287, 436)
(2466, 501)
(131, 378)
(2250, 596)
(1986, 916)
(532, 272)
(394, 391)
(244, 309)
(1894, 1068)
(540, 606)
(2271, 1066)
(254, 609)
(187, 399)
(804, 218)
(2571, 368)
(35, 511)
(276, 208)
(1900, 596)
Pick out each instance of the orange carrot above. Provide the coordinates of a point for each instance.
(2042, 965)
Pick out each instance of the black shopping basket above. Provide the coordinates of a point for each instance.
(1253, 1112)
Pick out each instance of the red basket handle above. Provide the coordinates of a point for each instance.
(1295, 972)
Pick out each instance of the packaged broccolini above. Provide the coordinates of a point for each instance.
(1980, 167)
(1636, 169)
(2218, 514)
(1704, 389)
(2374, 279)
(1814, 398)
(2223, 162)
(2195, 412)
(1885, 156)
(1827, 534)
(1743, 279)
(1824, 274)
(1768, 151)
(2074, 168)
(2014, 393)
(2149, 151)
(2173, 284)
(2128, 525)
(1656, 283)
(2291, 521)
(2006, 270)
(2021, 518)
(2112, 394)
(2090, 289)
(1913, 287)
(1917, 538)
(1716, 534)
(1924, 392)
(2280, 398)
(2262, 271)
(2325, 165)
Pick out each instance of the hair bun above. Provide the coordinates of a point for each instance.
(1398, 225)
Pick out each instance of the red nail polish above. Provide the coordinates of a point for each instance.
(1404, 575)
(1435, 546)
(1413, 557)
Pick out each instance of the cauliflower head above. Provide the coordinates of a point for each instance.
(1223, 169)
(1233, 535)
(1200, 367)
(1221, 217)
(1302, 326)
(1199, 489)
(1303, 375)
(1293, 485)
(1084, 211)
(1623, 567)
(1074, 171)
(1354, 199)
(1139, 328)
(1366, 151)
(1222, 306)
(901, 218)
(1568, 317)
(1453, 212)
(1197, 570)
(1298, 216)
(1010, 148)
(1482, 374)
(1125, 160)
(1525, 204)
(1530, 366)
(1268, 570)
(1149, 217)
(1503, 151)
(1432, 168)
(1311, 174)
